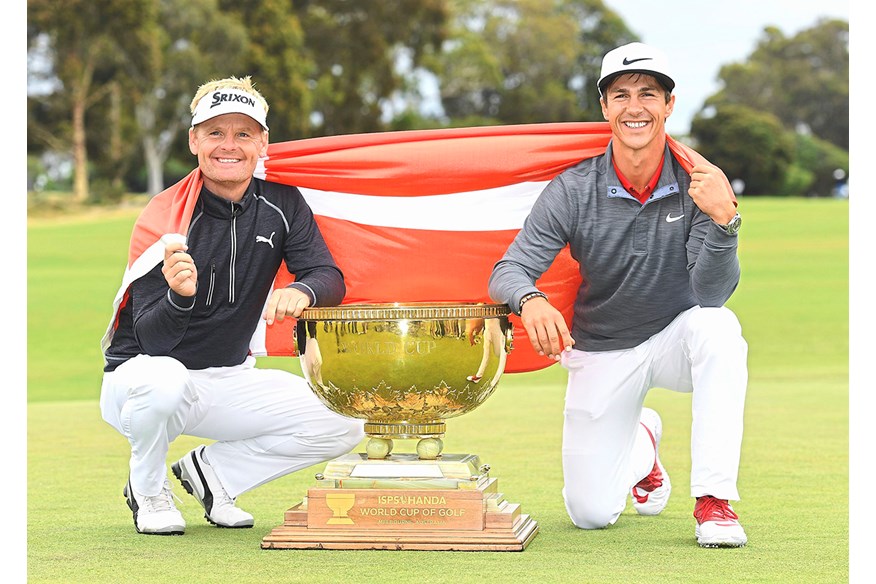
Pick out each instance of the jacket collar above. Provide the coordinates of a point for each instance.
(216, 206)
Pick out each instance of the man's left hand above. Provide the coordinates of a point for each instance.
(711, 191)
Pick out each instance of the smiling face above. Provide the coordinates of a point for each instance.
(228, 148)
(636, 108)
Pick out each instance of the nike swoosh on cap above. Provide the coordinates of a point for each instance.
(631, 61)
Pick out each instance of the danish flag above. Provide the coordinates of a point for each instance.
(409, 216)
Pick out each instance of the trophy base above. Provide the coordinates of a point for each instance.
(404, 503)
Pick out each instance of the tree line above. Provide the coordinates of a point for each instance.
(110, 81)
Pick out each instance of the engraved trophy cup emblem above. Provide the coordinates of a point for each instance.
(340, 503)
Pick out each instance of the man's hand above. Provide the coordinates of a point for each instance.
(711, 191)
(285, 302)
(546, 328)
(179, 269)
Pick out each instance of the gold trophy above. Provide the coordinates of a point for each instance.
(404, 369)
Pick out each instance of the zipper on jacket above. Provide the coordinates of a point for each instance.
(212, 283)
(235, 210)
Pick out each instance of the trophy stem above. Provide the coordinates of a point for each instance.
(432, 429)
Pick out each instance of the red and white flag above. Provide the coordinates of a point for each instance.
(413, 216)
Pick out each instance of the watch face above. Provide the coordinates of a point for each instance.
(734, 225)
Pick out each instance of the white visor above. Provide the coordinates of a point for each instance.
(229, 101)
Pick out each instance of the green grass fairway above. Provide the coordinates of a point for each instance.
(793, 303)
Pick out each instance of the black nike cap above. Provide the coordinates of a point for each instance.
(635, 58)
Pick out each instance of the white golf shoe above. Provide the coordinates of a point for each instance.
(155, 515)
(200, 481)
(717, 524)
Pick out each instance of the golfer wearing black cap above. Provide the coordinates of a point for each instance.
(657, 252)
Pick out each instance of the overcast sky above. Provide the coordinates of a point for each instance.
(699, 37)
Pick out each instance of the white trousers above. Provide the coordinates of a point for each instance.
(606, 451)
(266, 422)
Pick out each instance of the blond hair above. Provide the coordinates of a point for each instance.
(240, 83)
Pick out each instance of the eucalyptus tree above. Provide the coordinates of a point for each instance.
(803, 80)
(358, 49)
(526, 61)
(84, 43)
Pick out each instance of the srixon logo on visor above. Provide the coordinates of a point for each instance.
(223, 97)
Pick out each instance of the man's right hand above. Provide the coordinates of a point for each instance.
(546, 328)
(179, 269)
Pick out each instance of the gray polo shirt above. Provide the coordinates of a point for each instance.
(641, 265)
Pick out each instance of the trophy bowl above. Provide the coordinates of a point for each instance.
(404, 368)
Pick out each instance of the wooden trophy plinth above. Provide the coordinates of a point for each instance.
(404, 503)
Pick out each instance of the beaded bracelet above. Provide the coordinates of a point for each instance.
(529, 297)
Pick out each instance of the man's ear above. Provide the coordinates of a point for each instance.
(670, 106)
(193, 142)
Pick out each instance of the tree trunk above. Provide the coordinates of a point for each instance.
(80, 153)
(153, 156)
(154, 165)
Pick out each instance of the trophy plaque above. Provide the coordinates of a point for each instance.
(404, 369)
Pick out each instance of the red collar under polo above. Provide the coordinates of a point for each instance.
(649, 188)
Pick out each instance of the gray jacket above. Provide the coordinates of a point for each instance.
(641, 265)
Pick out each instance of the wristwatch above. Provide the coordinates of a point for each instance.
(732, 228)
